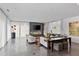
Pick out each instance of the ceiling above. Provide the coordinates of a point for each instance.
(40, 12)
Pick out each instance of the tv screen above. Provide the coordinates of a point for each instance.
(37, 27)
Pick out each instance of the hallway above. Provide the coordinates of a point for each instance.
(20, 47)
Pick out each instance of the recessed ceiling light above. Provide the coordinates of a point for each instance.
(8, 10)
(15, 8)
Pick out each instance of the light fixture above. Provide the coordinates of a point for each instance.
(8, 10)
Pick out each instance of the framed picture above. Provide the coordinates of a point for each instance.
(74, 28)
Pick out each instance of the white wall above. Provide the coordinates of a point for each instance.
(55, 27)
(17, 28)
(22, 28)
(2, 29)
(46, 28)
(8, 29)
(65, 28)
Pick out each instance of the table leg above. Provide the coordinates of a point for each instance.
(70, 42)
(48, 44)
(52, 46)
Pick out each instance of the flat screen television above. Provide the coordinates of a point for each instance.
(37, 27)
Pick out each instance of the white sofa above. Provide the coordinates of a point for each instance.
(30, 39)
(43, 42)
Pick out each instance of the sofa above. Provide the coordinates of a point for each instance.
(43, 42)
(30, 39)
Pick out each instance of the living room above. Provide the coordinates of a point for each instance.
(37, 27)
